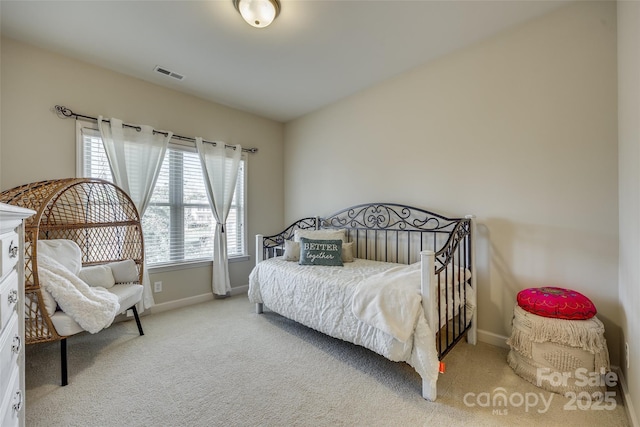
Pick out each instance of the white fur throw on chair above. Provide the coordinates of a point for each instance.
(93, 308)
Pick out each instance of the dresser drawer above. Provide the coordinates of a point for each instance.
(12, 402)
(9, 255)
(10, 347)
(8, 298)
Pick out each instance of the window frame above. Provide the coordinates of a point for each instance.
(181, 145)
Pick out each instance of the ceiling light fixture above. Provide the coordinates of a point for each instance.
(258, 13)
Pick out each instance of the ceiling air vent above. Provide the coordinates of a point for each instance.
(169, 73)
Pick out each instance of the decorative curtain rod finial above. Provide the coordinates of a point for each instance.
(63, 112)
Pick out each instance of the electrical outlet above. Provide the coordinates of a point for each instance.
(157, 287)
(626, 354)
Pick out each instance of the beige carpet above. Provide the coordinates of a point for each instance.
(219, 364)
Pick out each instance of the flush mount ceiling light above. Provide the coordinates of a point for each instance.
(258, 13)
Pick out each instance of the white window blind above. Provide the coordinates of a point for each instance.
(178, 224)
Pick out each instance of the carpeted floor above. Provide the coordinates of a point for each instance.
(220, 364)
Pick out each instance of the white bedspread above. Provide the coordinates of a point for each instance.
(321, 297)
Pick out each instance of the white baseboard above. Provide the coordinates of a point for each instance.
(493, 339)
(240, 290)
(626, 398)
(179, 303)
(184, 302)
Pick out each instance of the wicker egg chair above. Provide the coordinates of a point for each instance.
(97, 215)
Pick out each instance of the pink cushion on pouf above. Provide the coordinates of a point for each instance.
(558, 303)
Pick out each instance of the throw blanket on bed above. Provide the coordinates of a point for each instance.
(93, 308)
(390, 301)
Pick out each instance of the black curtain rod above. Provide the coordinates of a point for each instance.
(64, 113)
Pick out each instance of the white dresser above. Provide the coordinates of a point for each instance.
(12, 390)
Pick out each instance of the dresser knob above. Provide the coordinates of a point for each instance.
(13, 296)
(13, 250)
(17, 344)
(17, 401)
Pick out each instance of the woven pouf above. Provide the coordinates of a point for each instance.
(559, 355)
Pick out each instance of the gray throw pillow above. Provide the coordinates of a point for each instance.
(320, 252)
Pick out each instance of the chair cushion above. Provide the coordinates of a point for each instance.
(64, 324)
(97, 275)
(50, 303)
(559, 303)
(128, 295)
(65, 252)
(124, 271)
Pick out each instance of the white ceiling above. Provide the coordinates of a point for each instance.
(315, 52)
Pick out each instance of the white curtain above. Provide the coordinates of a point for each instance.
(220, 170)
(135, 156)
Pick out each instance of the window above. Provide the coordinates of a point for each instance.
(179, 207)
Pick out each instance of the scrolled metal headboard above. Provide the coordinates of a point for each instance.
(388, 216)
(398, 233)
(388, 232)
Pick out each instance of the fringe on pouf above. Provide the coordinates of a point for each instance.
(529, 328)
(568, 337)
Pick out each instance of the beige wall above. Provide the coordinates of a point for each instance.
(520, 130)
(37, 145)
(629, 154)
